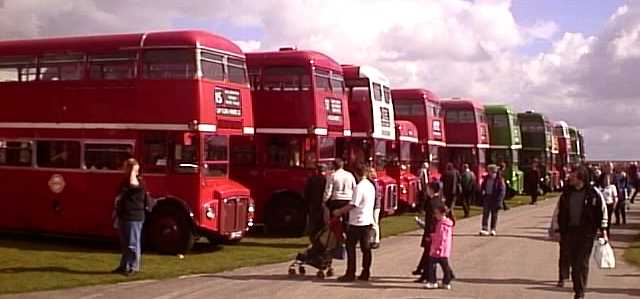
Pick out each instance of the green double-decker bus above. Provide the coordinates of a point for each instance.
(506, 143)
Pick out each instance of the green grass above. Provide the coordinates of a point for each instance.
(27, 265)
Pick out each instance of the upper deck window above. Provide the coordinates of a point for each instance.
(499, 121)
(531, 128)
(169, 64)
(434, 110)
(292, 78)
(114, 66)
(460, 117)
(482, 118)
(17, 69)
(54, 67)
(337, 84)
(387, 95)
(323, 80)
(237, 71)
(403, 108)
(377, 92)
(212, 66)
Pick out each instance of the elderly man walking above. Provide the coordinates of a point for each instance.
(493, 191)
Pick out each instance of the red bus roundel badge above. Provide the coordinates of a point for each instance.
(56, 183)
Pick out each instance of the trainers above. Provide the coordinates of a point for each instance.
(493, 232)
(431, 286)
(364, 276)
(560, 283)
(484, 233)
(446, 286)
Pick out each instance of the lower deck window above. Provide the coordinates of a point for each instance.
(15, 153)
(106, 156)
(58, 154)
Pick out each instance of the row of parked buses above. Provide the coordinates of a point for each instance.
(226, 139)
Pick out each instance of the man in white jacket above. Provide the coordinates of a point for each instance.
(339, 189)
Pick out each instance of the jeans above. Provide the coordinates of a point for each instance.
(376, 226)
(490, 210)
(355, 235)
(610, 214)
(534, 197)
(130, 234)
(446, 269)
(577, 246)
(621, 212)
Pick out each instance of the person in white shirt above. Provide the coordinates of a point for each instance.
(610, 195)
(339, 189)
(361, 219)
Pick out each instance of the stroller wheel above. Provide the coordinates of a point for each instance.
(302, 271)
(330, 272)
(292, 271)
(320, 274)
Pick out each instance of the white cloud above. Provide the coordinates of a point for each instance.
(249, 45)
(542, 29)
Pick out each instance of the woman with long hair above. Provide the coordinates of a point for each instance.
(130, 212)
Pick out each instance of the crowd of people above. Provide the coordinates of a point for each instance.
(592, 196)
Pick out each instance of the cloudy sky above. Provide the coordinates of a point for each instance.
(575, 60)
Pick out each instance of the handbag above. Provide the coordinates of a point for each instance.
(603, 255)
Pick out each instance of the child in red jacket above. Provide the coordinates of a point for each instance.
(440, 250)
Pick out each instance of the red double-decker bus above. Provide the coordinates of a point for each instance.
(300, 109)
(467, 134)
(373, 127)
(75, 108)
(422, 108)
(399, 168)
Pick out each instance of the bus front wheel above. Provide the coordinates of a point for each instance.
(170, 232)
(286, 214)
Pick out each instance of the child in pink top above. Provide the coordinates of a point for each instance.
(440, 250)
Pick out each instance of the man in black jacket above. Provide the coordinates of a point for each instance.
(581, 215)
(451, 186)
(313, 194)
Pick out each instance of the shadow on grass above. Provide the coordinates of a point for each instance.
(16, 270)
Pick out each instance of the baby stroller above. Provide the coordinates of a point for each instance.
(321, 251)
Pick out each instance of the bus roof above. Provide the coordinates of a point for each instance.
(407, 130)
(369, 72)
(498, 109)
(415, 93)
(111, 42)
(533, 115)
(292, 57)
(461, 103)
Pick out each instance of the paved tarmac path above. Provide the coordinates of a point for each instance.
(519, 263)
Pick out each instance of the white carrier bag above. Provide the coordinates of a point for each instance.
(603, 255)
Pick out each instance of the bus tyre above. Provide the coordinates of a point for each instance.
(170, 232)
(286, 214)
